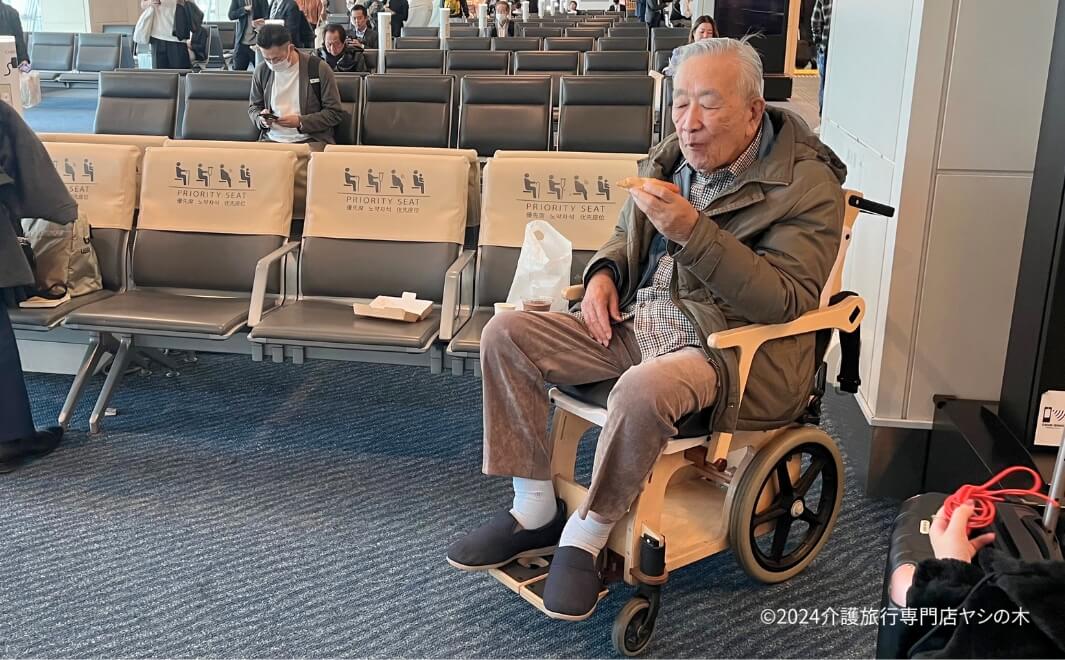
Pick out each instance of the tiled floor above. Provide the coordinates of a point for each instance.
(804, 100)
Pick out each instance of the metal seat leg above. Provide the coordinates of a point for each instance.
(93, 353)
(118, 368)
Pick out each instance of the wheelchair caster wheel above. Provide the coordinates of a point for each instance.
(632, 628)
(171, 374)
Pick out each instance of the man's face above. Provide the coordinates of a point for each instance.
(502, 11)
(359, 20)
(333, 43)
(715, 120)
(278, 55)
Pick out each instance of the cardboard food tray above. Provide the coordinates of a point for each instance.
(407, 308)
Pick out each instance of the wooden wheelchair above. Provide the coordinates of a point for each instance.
(771, 496)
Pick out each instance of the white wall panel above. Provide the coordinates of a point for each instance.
(866, 69)
(973, 254)
(998, 78)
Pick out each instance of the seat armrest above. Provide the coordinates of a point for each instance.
(457, 307)
(262, 272)
(573, 293)
(844, 315)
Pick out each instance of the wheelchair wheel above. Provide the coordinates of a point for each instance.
(801, 512)
(632, 630)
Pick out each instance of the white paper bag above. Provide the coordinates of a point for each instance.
(31, 89)
(543, 266)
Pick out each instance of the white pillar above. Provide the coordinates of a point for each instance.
(482, 19)
(525, 10)
(445, 22)
(384, 38)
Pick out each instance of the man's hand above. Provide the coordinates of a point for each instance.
(600, 306)
(289, 121)
(951, 540)
(266, 118)
(258, 23)
(669, 212)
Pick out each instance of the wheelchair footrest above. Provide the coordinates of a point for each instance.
(527, 578)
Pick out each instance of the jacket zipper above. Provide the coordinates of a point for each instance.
(674, 295)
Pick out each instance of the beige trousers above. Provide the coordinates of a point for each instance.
(523, 351)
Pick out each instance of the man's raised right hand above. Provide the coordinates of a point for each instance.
(599, 308)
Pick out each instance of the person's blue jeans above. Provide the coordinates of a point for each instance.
(822, 61)
(640, 5)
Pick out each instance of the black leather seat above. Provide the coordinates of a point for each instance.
(622, 43)
(468, 43)
(417, 43)
(216, 107)
(693, 425)
(617, 62)
(407, 111)
(96, 53)
(556, 64)
(667, 107)
(661, 60)
(52, 54)
(591, 32)
(578, 44)
(492, 106)
(137, 103)
(419, 32)
(586, 100)
(350, 87)
(415, 61)
(514, 44)
(541, 32)
(667, 42)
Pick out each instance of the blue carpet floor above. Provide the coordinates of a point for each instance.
(266, 510)
(64, 110)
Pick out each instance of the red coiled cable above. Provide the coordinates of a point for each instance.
(984, 497)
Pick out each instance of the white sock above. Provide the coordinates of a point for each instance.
(534, 502)
(586, 534)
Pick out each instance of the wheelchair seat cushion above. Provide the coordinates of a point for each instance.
(692, 425)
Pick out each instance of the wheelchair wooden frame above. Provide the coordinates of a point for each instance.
(689, 493)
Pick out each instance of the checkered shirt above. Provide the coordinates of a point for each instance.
(659, 325)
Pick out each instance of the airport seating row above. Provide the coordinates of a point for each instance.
(468, 107)
(198, 248)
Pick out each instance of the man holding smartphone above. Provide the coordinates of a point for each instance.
(360, 33)
(294, 96)
(250, 15)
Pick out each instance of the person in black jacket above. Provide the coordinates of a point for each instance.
(400, 11)
(503, 25)
(360, 33)
(11, 25)
(29, 187)
(339, 54)
(170, 48)
(295, 22)
(250, 16)
(995, 582)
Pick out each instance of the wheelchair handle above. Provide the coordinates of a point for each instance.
(870, 206)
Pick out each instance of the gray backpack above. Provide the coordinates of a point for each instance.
(64, 260)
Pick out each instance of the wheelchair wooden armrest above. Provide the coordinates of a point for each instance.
(844, 315)
(573, 293)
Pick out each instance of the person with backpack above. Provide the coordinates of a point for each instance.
(280, 85)
(29, 187)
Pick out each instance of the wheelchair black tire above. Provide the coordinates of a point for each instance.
(628, 638)
(807, 440)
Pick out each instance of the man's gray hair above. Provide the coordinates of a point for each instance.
(750, 61)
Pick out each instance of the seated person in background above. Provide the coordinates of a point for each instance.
(573, 7)
(339, 54)
(615, 6)
(503, 25)
(360, 33)
(751, 239)
(995, 582)
(279, 84)
(704, 27)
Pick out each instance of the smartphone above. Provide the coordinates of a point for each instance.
(269, 115)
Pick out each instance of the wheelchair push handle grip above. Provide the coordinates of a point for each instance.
(870, 206)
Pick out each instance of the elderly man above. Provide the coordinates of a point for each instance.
(751, 238)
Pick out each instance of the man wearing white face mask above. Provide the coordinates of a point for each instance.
(503, 27)
(294, 96)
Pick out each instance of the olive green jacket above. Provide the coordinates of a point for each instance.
(760, 253)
